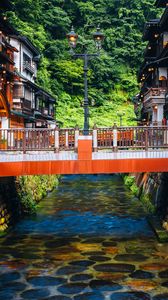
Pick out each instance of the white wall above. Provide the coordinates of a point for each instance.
(18, 59)
(4, 123)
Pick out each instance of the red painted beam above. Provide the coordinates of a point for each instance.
(83, 167)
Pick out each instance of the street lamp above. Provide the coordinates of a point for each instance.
(72, 39)
(121, 114)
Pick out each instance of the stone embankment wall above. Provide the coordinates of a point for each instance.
(9, 203)
(152, 189)
(20, 196)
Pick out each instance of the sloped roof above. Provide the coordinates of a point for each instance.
(161, 3)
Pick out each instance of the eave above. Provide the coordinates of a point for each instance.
(161, 3)
(37, 88)
(151, 29)
(163, 23)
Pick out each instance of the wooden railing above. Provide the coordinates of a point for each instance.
(133, 138)
(155, 92)
(113, 138)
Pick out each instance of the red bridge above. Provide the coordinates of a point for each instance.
(68, 151)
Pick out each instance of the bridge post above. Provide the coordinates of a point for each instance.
(76, 137)
(66, 139)
(115, 148)
(24, 142)
(56, 140)
(95, 143)
(146, 139)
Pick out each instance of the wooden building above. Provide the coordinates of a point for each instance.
(153, 74)
(22, 102)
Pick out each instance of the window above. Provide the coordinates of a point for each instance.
(26, 59)
(18, 91)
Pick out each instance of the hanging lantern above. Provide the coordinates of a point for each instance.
(72, 38)
(98, 37)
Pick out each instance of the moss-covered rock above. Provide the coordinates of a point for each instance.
(31, 189)
(143, 192)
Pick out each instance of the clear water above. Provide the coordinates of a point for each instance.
(89, 240)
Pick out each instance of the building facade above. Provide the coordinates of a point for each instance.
(153, 75)
(22, 102)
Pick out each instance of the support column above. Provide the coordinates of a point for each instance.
(115, 138)
(95, 143)
(85, 147)
(76, 137)
(160, 114)
(66, 139)
(154, 114)
(56, 143)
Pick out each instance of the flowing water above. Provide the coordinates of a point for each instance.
(89, 241)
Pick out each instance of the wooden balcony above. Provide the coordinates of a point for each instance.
(155, 96)
(22, 105)
(28, 67)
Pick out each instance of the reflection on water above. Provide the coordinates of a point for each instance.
(90, 240)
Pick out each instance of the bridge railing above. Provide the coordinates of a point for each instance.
(137, 137)
(113, 138)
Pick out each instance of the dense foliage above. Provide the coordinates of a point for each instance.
(112, 76)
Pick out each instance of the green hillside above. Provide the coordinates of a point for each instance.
(112, 76)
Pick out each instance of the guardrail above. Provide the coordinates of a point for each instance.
(113, 138)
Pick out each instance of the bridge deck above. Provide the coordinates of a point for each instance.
(17, 164)
(71, 156)
(108, 150)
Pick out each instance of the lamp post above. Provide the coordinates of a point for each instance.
(121, 114)
(72, 39)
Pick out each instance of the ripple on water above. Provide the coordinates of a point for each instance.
(70, 270)
(112, 267)
(8, 277)
(45, 281)
(72, 288)
(35, 294)
(131, 296)
(89, 296)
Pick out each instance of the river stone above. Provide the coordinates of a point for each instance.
(45, 281)
(93, 240)
(139, 274)
(59, 297)
(57, 243)
(72, 288)
(163, 274)
(35, 294)
(153, 266)
(83, 263)
(14, 286)
(6, 295)
(111, 276)
(111, 250)
(109, 244)
(120, 268)
(81, 277)
(99, 258)
(104, 285)
(85, 247)
(161, 297)
(165, 284)
(141, 284)
(70, 270)
(90, 253)
(130, 296)
(8, 277)
(89, 296)
(130, 257)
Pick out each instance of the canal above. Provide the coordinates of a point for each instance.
(89, 241)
